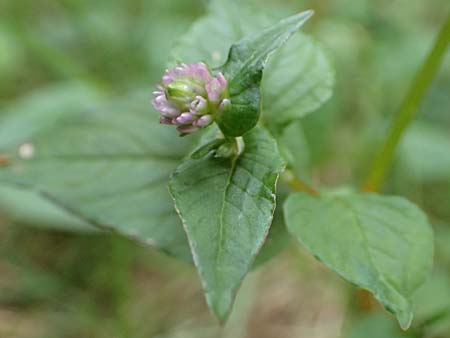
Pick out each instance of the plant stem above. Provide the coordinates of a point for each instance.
(297, 184)
(407, 111)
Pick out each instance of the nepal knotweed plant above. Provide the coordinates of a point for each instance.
(239, 166)
(224, 191)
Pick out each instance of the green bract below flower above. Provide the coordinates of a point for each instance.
(190, 97)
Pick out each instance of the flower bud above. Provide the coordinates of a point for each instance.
(180, 92)
(190, 97)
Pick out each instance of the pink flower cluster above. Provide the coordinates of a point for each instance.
(189, 97)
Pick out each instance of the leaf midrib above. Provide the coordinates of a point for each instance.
(222, 210)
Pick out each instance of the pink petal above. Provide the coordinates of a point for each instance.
(200, 72)
(159, 102)
(170, 112)
(222, 80)
(185, 118)
(203, 121)
(167, 79)
(199, 104)
(213, 89)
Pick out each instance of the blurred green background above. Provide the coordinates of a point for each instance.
(67, 54)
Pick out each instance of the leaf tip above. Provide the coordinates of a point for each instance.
(403, 311)
(309, 13)
(221, 305)
(304, 16)
(405, 319)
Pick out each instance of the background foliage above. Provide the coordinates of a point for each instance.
(97, 57)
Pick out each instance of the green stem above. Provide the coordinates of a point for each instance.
(297, 184)
(407, 111)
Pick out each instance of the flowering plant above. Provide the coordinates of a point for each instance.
(238, 190)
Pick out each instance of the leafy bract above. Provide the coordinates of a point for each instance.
(244, 70)
(382, 244)
(108, 166)
(227, 206)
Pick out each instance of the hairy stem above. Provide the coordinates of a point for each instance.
(407, 111)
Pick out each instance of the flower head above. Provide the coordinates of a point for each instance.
(190, 97)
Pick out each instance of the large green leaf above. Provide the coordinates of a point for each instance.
(244, 70)
(108, 166)
(22, 206)
(382, 244)
(227, 206)
(297, 80)
(20, 120)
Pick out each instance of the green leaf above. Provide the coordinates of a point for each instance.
(109, 167)
(24, 207)
(227, 206)
(382, 244)
(298, 80)
(244, 70)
